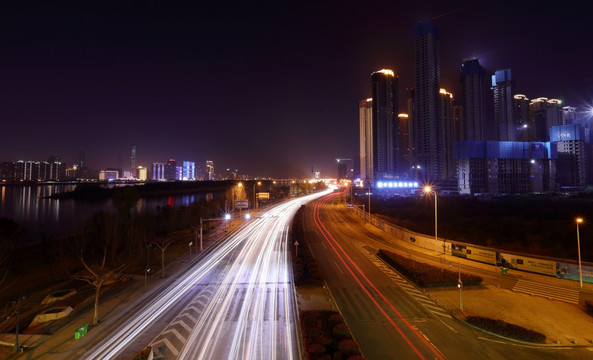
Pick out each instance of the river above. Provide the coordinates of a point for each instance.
(27, 205)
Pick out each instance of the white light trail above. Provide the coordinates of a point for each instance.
(254, 259)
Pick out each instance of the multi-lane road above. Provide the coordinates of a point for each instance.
(390, 318)
(237, 302)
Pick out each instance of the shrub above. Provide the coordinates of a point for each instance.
(317, 349)
(505, 329)
(349, 347)
(335, 319)
(425, 275)
(341, 331)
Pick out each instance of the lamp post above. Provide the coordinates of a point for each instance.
(579, 220)
(428, 189)
(369, 188)
(255, 194)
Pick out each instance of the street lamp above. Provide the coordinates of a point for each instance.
(369, 188)
(579, 220)
(428, 189)
(255, 194)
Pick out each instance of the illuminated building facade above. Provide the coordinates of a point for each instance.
(504, 167)
(366, 139)
(504, 120)
(385, 128)
(405, 146)
(158, 171)
(426, 124)
(141, 173)
(209, 170)
(189, 170)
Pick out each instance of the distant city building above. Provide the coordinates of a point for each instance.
(142, 173)
(171, 170)
(473, 81)
(504, 120)
(108, 175)
(209, 170)
(133, 160)
(343, 168)
(189, 170)
(179, 173)
(26, 170)
(366, 139)
(158, 171)
(385, 128)
(426, 125)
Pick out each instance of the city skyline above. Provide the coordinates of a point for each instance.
(268, 89)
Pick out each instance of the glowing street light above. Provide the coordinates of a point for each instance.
(428, 189)
(579, 220)
(255, 195)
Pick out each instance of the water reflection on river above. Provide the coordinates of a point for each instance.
(28, 206)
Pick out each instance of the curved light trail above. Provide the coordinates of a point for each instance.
(409, 334)
(253, 280)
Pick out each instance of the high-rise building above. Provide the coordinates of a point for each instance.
(447, 118)
(405, 146)
(504, 121)
(525, 131)
(133, 160)
(410, 104)
(575, 156)
(210, 170)
(189, 170)
(343, 172)
(171, 170)
(158, 171)
(544, 113)
(142, 173)
(366, 139)
(426, 124)
(385, 129)
(473, 83)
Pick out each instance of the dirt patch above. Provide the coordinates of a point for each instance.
(560, 322)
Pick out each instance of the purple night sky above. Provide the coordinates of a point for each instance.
(268, 88)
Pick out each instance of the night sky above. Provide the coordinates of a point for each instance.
(268, 88)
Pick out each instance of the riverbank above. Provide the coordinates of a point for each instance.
(100, 191)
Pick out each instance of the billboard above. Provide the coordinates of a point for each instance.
(474, 253)
(525, 263)
(263, 195)
(242, 204)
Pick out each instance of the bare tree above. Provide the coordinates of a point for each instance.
(163, 244)
(98, 247)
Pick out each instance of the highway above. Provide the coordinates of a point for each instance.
(236, 302)
(390, 318)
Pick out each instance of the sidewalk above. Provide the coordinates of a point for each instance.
(563, 323)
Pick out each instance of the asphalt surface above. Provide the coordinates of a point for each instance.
(388, 319)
